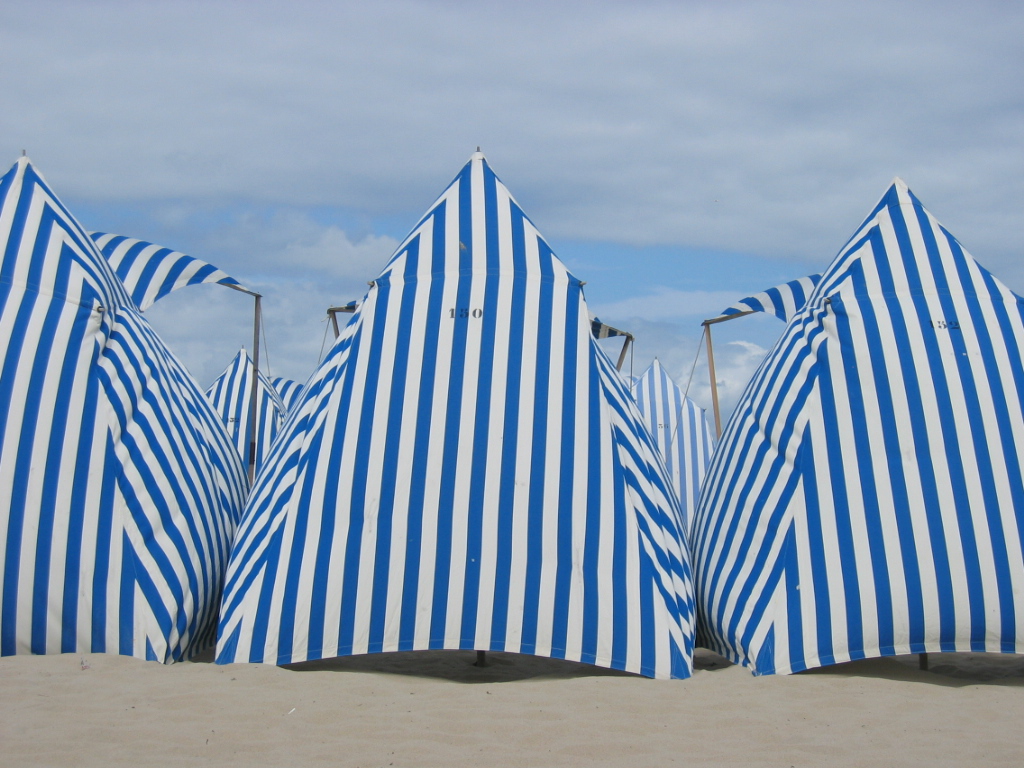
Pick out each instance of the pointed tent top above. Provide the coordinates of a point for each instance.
(478, 155)
(895, 194)
(23, 172)
(897, 187)
(24, 162)
(656, 367)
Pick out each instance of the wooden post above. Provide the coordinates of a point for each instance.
(714, 383)
(622, 354)
(254, 391)
(481, 659)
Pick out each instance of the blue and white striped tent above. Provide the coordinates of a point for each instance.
(288, 390)
(783, 301)
(867, 496)
(466, 470)
(120, 488)
(680, 430)
(149, 272)
(231, 396)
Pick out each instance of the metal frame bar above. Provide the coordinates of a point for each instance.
(254, 390)
(711, 365)
(332, 313)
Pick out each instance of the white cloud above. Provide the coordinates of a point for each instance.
(669, 304)
(743, 126)
(291, 145)
(332, 252)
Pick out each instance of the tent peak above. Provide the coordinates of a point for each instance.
(478, 155)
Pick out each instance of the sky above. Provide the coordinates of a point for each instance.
(677, 156)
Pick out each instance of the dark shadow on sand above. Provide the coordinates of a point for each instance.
(204, 657)
(952, 670)
(709, 661)
(459, 666)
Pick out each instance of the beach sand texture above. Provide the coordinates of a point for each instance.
(437, 709)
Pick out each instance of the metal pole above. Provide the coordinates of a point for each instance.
(334, 322)
(714, 384)
(254, 391)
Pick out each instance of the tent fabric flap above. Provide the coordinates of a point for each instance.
(150, 272)
(783, 301)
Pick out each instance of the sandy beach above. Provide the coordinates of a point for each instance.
(437, 709)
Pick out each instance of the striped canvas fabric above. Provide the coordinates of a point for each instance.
(680, 430)
(783, 301)
(119, 488)
(150, 272)
(866, 498)
(603, 331)
(288, 390)
(465, 470)
(231, 396)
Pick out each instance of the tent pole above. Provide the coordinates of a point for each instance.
(481, 659)
(334, 322)
(714, 384)
(922, 661)
(254, 391)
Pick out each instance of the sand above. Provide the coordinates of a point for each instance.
(437, 709)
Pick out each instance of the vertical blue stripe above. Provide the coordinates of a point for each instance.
(413, 591)
(510, 442)
(387, 511)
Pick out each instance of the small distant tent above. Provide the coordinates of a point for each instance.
(867, 497)
(121, 489)
(465, 470)
(288, 390)
(231, 396)
(680, 430)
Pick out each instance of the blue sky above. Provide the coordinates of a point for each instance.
(678, 156)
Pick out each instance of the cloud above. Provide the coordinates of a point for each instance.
(295, 145)
(759, 127)
(669, 304)
(299, 266)
(333, 253)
